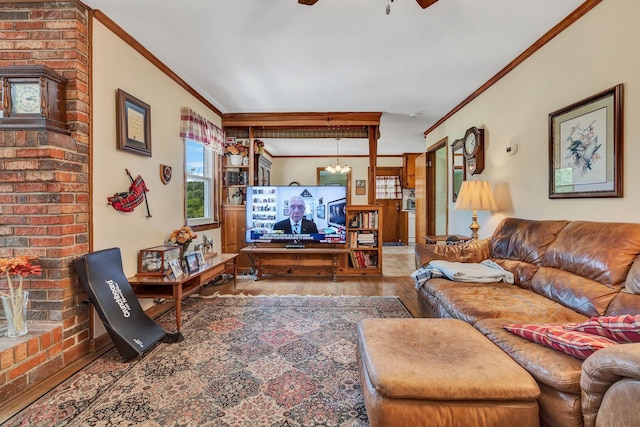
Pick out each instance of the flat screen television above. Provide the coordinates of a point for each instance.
(319, 209)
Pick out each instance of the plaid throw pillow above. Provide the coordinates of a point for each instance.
(557, 337)
(577, 344)
(533, 333)
(622, 329)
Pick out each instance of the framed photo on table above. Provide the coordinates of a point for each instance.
(192, 262)
(175, 268)
(585, 147)
(133, 121)
(200, 257)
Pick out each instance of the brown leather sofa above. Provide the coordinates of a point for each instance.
(565, 272)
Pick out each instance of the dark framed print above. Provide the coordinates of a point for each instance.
(586, 147)
(320, 213)
(134, 124)
(361, 187)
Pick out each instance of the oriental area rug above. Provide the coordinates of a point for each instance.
(245, 361)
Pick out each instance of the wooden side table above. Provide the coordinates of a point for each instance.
(433, 239)
(178, 288)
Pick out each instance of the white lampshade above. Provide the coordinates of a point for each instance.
(476, 195)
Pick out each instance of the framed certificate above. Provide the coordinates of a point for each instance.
(134, 124)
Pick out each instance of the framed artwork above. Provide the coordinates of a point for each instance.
(320, 212)
(133, 121)
(192, 262)
(585, 147)
(175, 268)
(361, 187)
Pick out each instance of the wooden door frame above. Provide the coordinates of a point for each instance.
(390, 171)
(431, 185)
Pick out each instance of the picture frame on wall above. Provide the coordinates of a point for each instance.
(361, 187)
(586, 147)
(133, 121)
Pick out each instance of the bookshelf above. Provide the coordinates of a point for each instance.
(364, 240)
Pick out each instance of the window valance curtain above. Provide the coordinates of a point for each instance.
(197, 128)
(388, 187)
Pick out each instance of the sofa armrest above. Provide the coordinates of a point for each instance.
(475, 251)
(610, 383)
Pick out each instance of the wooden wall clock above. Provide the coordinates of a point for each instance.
(33, 97)
(473, 150)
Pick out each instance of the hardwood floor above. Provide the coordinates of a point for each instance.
(397, 265)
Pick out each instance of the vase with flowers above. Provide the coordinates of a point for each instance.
(182, 236)
(236, 153)
(15, 301)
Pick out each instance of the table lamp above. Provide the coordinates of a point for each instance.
(475, 195)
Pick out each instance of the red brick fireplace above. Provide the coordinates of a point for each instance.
(45, 193)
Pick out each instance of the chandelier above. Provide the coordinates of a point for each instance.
(338, 166)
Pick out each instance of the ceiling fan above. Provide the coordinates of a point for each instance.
(423, 3)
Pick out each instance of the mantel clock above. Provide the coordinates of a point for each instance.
(33, 97)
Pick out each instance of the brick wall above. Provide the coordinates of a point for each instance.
(44, 190)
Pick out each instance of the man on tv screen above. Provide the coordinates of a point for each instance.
(296, 224)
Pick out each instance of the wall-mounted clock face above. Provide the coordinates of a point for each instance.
(474, 150)
(470, 144)
(26, 98)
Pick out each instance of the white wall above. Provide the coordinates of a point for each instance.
(595, 53)
(303, 170)
(116, 65)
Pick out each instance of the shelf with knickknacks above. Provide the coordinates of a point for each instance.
(236, 170)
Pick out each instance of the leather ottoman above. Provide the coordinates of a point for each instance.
(440, 372)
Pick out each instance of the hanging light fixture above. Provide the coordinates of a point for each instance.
(338, 166)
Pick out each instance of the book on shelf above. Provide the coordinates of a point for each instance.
(364, 219)
(362, 259)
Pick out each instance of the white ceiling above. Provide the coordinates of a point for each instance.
(412, 65)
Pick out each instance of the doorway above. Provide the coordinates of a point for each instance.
(437, 207)
(389, 196)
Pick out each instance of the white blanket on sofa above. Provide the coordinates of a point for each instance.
(485, 272)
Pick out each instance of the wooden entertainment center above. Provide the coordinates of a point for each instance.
(248, 129)
(286, 261)
(360, 256)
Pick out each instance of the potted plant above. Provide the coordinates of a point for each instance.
(236, 153)
(15, 301)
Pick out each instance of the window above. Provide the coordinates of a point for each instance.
(201, 168)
